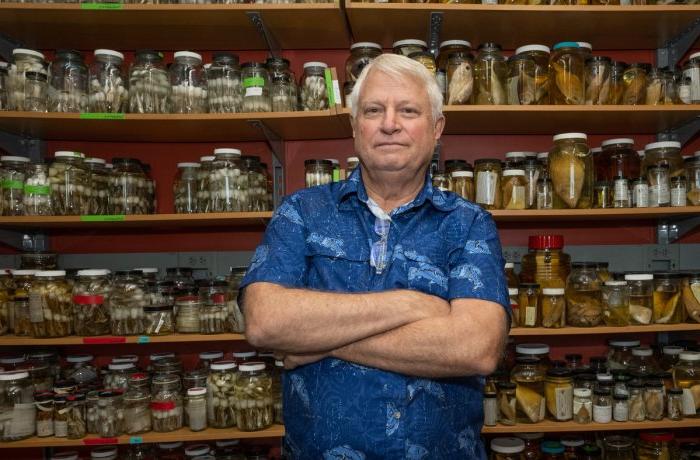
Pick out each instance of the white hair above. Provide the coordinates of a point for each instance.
(400, 67)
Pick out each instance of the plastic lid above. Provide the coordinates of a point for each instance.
(228, 443)
(620, 140)
(24, 272)
(585, 45)
(672, 350)
(542, 155)
(222, 365)
(352, 160)
(532, 349)
(206, 158)
(509, 265)
(563, 136)
(676, 391)
(566, 45)
(15, 158)
(512, 291)
(624, 343)
(211, 355)
(582, 392)
(188, 165)
(315, 64)
(663, 145)
(198, 449)
(616, 283)
(527, 48)
(94, 272)
(458, 42)
(162, 355)
(409, 41)
(639, 277)
(146, 269)
(70, 455)
(656, 437)
(252, 367)
(513, 172)
(227, 150)
(462, 173)
(507, 445)
(125, 359)
(545, 242)
(510, 155)
(366, 45)
(79, 358)
(187, 54)
(112, 53)
(553, 291)
(66, 154)
(560, 372)
(27, 51)
(13, 375)
(49, 273)
(12, 359)
(103, 452)
(694, 55)
(689, 356)
(571, 442)
(244, 354)
(642, 351)
(604, 377)
(120, 366)
(97, 161)
(170, 445)
(279, 363)
(552, 447)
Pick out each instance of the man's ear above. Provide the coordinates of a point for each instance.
(352, 125)
(439, 127)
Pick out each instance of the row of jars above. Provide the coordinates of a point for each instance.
(67, 84)
(169, 2)
(322, 172)
(573, 176)
(568, 74)
(648, 445)
(74, 185)
(222, 450)
(546, 2)
(45, 304)
(224, 182)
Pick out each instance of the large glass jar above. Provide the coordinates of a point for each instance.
(690, 88)
(110, 414)
(36, 91)
(108, 91)
(318, 172)
(663, 153)
(17, 409)
(529, 378)
(221, 394)
(616, 311)
(188, 83)
(507, 448)
(23, 61)
(513, 189)
(641, 287)
(691, 297)
(253, 397)
(692, 173)
(654, 446)
(620, 353)
(13, 176)
(166, 404)
(68, 89)
(137, 411)
(257, 183)
(225, 93)
(545, 263)
(409, 46)
(491, 71)
(228, 184)
(661, 88)
(361, 54)
(185, 188)
(488, 183)
(312, 87)
(91, 306)
(528, 76)
(571, 170)
(128, 183)
(460, 78)
(618, 158)
(686, 375)
(99, 186)
(668, 307)
(149, 85)
(567, 74)
(256, 88)
(643, 361)
(634, 80)
(189, 312)
(70, 184)
(583, 296)
(50, 307)
(447, 48)
(127, 302)
(598, 82)
(80, 368)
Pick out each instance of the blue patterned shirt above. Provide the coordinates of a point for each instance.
(322, 238)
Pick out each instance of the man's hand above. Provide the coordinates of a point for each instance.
(294, 361)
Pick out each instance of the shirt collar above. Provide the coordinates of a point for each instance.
(354, 185)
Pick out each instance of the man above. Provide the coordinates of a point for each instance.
(386, 297)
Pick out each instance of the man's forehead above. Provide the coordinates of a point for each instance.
(371, 93)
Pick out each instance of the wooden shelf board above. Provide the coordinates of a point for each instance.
(646, 27)
(174, 27)
(592, 215)
(11, 340)
(563, 427)
(603, 330)
(208, 127)
(184, 434)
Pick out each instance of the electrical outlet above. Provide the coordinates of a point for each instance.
(198, 260)
(662, 257)
(513, 254)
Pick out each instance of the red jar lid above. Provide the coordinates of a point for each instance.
(545, 242)
(656, 437)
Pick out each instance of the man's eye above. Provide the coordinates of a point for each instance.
(409, 110)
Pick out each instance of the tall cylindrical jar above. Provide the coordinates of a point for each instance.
(571, 170)
(488, 183)
(256, 88)
(312, 87)
(24, 61)
(91, 307)
(17, 409)
(166, 404)
(196, 408)
(149, 84)
(528, 76)
(598, 80)
(128, 183)
(228, 183)
(188, 83)
(50, 307)
(127, 302)
(567, 75)
(70, 185)
(221, 394)
(185, 188)
(283, 92)
(253, 397)
(463, 184)
(13, 174)
(491, 71)
(583, 297)
(460, 78)
(225, 92)
(99, 179)
(618, 158)
(635, 85)
(108, 92)
(68, 89)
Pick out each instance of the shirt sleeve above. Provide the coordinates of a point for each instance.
(477, 268)
(280, 258)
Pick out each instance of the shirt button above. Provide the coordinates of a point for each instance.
(397, 415)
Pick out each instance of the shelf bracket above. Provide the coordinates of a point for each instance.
(272, 44)
(674, 49)
(23, 146)
(435, 32)
(23, 241)
(683, 133)
(276, 145)
(7, 44)
(669, 231)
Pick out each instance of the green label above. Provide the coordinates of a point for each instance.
(336, 175)
(329, 88)
(108, 218)
(37, 189)
(13, 184)
(253, 81)
(135, 440)
(102, 116)
(101, 6)
(143, 339)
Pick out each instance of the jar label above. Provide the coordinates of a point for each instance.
(36, 307)
(253, 81)
(486, 187)
(693, 74)
(564, 403)
(102, 115)
(621, 411)
(44, 427)
(659, 194)
(104, 218)
(530, 316)
(12, 184)
(253, 91)
(60, 428)
(602, 414)
(688, 402)
(678, 196)
(622, 192)
(163, 406)
(684, 94)
(41, 190)
(23, 420)
(641, 196)
(490, 411)
(88, 299)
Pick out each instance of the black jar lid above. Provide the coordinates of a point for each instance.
(318, 163)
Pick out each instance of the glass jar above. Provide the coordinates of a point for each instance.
(228, 183)
(533, 170)
(528, 75)
(361, 54)
(507, 403)
(188, 83)
(545, 263)
(620, 353)
(253, 397)
(206, 164)
(22, 282)
(4, 82)
(208, 357)
(98, 178)
(50, 307)
(616, 311)
(166, 404)
(634, 80)
(668, 307)
(552, 450)
(618, 158)
(196, 409)
(24, 61)
(427, 59)
(617, 84)
(110, 414)
(462, 184)
(195, 379)
(602, 405)
(571, 444)
(637, 406)
(91, 294)
(567, 74)
(441, 182)
(13, 174)
(117, 377)
(654, 399)
(529, 378)
(491, 72)
(692, 173)
(528, 305)
(127, 302)
(149, 85)
(686, 375)
(108, 91)
(667, 153)
(669, 357)
(318, 172)
(620, 407)
(674, 404)
(17, 408)
(661, 88)
(678, 191)
(598, 82)
(128, 183)
(36, 91)
(70, 184)
(283, 92)
(545, 193)
(582, 405)
(68, 91)
(312, 87)
(408, 47)
(225, 92)
(643, 361)
(189, 310)
(619, 448)
(507, 448)
(166, 366)
(654, 445)
(104, 453)
(583, 296)
(460, 78)
(533, 448)
(256, 88)
(257, 183)
(159, 320)
(571, 170)
(185, 188)
(213, 318)
(621, 192)
(641, 286)
(36, 199)
(603, 192)
(44, 414)
(80, 368)
(513, 189)
(488, 183)
(558, 390)
(447, 48)
(689, 91)
(221, 396)
(553, 306)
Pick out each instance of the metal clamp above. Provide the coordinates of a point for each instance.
(29, 147)
(435, 31)
(272, 45)
(683, 133)
(674, 49)
(276, 145)
(668, 231)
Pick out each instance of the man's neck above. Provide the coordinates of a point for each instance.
(391, 190)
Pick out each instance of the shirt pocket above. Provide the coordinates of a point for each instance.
(425, 270)
(331, 269)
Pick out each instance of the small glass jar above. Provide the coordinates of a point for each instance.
(616, 311)
(68, 91)
(507, 403)
(108, 93)
(283, 90)
(409, 46)
(213, 318)
(361, 54)
(256, 88)
(110, 414)
(507, 448)
(127, 302)
(149, 85)
(50, 307)
(571, 171)
(637, 406)
(513, 189)
(24, 61)
(137, 410)
(602, 406)
(221, 396)
(528, 305)
(553, 307)
(583, 296)
(36, 91)
(582, 405)
(460, 78)
(619, 448)
(488, 183)
(159, 320)
(80, 368)
(641, 287)
(529, 378)
(552, 450)
(196, 409)
(44, 414)
(689, 89)
(634, 80)
(36, 199)
(171, 451)
(14, 172)
(620, 407)
(678, 191)
(318, 172)
(533, 445)
(603, 193)
(640, 193)
(528, 74)
(663, 153)
(617, 85)
(692, 173)
(462, 183)
(654, 399)
(117, 377)
(189, 311)
(253, 397)
(91, 294)
(686, 375)
(70, 184)
(674, 404)
(185, 188)
(654, 445)
(559, 388)
(571, 444)
(447, 48)
(661, 88)
(312, 87)
(98, 178)
(490, 74)
(128, 184)
(188, 83)
(17, 407)
(166, 404)
(598, 81)
(567, 74)
(668, 307)
(533, 171)
(643, 361)
(225, 91)
(621, 192)
(669, 357)
(545, 193)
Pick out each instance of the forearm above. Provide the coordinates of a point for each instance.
(306, 321)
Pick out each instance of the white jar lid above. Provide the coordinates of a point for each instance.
(23, 272)
(12, 359)
(639, 277)
(211, 355)
(96, 161)
(94, 272)
(112, 53)
(48, 273)
(515, 155)
(454, 42)
(29, 52)
(41, 355)
(170, 445)
(188, 54)
(563, 136)
(15, 158)
(279, 363)
(694, 55)
(66, 154)
(103, 452)
(672, 350)
(199, 449)
(146, 269)
(128, 358)
(619, 140)
(188, 165)
(252, 367)
(227, 150)
(616, 283)
(642, 351)
(530, 436)
(596, 150)
(161, 355)
(206, 158)
(663, 145)
(532, 349)
(228, 443)
(509, 265)
(462, 174)
(222, 365)
(70, 455)
(604, 377)
(513, 172)
(553, 291)
(244, 354)
(507, 445)
(624, 343)
(109, 166)
(526, 48)
(409, 41)
(582, 392)
(572, 442)
(79, 358)
(315, 64)
(365, 45)
(120, 366)
(689, 356)
(13, 375)
(352, 160)
(585, 45)
(512, 291)
(542, 155)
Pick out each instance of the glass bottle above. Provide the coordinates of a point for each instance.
(108, 91)
(571, 170)
(149, 84)
(68, 91)
(616, 311)
(674, 404)
(185, 188)
(583, 296)
(513, 189)
(99, 180)
(188, 83)
(654, 445)
(488, 183)
(678, 191)
(603, 194)
(196, 409)
(462, 184)
(686, 375)
(24, 61)
(491, 71)
(166, 404)
(224, 88)
(546, 263)
(528, 305)
(553, 308)
(256, 88)
(620, 407)
(598, 81)
(545, 193)
(634, 81)
(558, 390)
(567, 74)
(529, 378)
(460, 78)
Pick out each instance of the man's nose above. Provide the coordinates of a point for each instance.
(390, 122)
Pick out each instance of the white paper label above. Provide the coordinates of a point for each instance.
(688, 402)
(621, 411)
(336, 92)
(23, 420)
(602, 414)
(530, 316)
(641, 196)
(678, 197)
(659, 195)
(60, 429)
(693, 74)
(36, 307)
(44, 428)
(486, 187)
(564, 399)
(490, 411)
(253, 91)
(622, 192)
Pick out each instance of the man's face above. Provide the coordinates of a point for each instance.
(394, 130)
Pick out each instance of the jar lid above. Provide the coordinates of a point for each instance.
(15, 158)
(157, 308)
(50, 273)
(120, 366)
(223, 365)
(162, 355)
(689, 356)
(642, 351)
(566, 45)
(663, 145)
(616, 283)
(564, 136)
(73, 359)
(530, 436)
(170, 445)
(125, 359)
(244, 354)
(513, 172)
(366, 45)
(198, 449)
(553, 291)
(13, 375)
(604, 377)
(409, 41)
(92, 160)
(252, 367)
(188, 165)
(560, 372)
(506, 385)
(596, 150)
(456, 43)
(507, 445)
(552, 447)
(639, 276)
(672, 350)
(656, 437)
(318, 163)
(545, 242)
(620, 140)
(226, 150)
(570, 441)
(542, 155)
(352, 160)
(206, 158)
(602, 391)
(315, 64)
(487, 160)
(187, 54)
(617, 443)
(584, 45)
(676, 391)
(624, 343)
(110, 53)
(586, 377)
(66, 154)
(94, 272)
(209, 355)
(27, 51)
(462, 173)
(532, 348)
(528, 48)
(70, 455)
